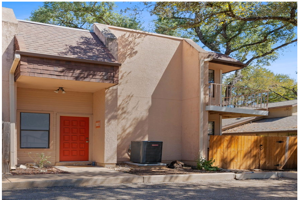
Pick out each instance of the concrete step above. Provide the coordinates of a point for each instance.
(73, 163)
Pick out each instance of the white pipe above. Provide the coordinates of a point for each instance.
(12, 108)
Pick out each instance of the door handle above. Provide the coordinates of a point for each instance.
(87, 141)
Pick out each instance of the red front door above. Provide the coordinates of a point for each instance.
(74, 138)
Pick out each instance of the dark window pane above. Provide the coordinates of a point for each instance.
(34, 139)
(211, 76)
(211, 128)
(34, 121)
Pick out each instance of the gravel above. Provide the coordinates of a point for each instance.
(245, 189)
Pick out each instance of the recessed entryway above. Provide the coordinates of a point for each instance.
(74, 138)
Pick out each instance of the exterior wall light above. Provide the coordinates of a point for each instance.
(62, 90)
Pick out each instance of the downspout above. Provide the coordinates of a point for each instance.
(12, 108)
(202, 151)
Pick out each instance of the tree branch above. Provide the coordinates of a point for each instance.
(291, 19)
(203, 39)
(270, 52)
(279, 94)
(261, 41)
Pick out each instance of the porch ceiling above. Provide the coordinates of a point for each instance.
(224, 68)
(235, 112)
(53, 84)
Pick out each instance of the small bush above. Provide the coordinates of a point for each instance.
(206, 164)
(41, 159)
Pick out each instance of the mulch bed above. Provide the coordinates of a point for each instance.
(33, 171)
(161, 171)
(166, 171)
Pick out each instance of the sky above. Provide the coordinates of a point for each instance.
(285, 64)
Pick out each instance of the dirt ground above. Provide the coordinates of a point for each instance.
(185, 170)
(33, 171)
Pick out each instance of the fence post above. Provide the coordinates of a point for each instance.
(5, 147)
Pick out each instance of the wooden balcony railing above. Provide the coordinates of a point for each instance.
(237, 97)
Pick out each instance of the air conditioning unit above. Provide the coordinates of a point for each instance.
(146, 152)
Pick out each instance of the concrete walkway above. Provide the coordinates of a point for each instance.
(96, 176)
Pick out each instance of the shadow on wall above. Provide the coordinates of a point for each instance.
(140, 116)
(127, 44)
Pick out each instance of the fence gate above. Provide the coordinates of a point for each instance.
(253, 152)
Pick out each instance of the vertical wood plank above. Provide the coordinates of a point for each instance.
(5, 147)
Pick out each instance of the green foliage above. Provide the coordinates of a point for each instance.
(82, 15)
(251, 32)
(40, 158)
(280, 86)
(206, 164)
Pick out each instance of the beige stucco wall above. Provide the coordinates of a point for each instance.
(46, 101)
(190, 102)
(280, 112)
(98, 133)
(9, 29)
(149, 92)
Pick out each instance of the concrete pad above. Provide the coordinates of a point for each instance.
(188, 177)
(291, 175)
(256, 175)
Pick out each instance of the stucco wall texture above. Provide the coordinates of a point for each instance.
(158, 94)
(10, 25)
(158, 98)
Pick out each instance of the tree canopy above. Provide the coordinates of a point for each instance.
(280, 86)
(83, 15)
(251, 32)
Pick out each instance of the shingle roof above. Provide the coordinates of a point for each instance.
(268, 124)
(229, 121)
(282, 103)
(219, 57)
(232, 121)
(61, 41)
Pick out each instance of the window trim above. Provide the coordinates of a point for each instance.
(34, 130)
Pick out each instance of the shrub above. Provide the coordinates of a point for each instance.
(40, 159)
(206, 164)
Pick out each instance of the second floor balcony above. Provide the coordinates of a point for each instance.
(237, 101)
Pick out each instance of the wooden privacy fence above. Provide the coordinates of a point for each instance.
(253, 152)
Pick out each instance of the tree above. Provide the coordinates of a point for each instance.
(281, 87)
(251, 32)
(82, 15)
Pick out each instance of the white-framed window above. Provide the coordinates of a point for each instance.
(34, 130)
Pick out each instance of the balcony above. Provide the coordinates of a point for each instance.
(231, 101)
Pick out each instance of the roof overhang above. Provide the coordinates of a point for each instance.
(235, 112)
(30, 54)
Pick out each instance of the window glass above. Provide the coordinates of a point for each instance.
(35, 121)
(34, 139)
(211, 128)
(211, 76)
(34, 131)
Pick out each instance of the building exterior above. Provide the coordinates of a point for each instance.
(281, 121)
(77, 95)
